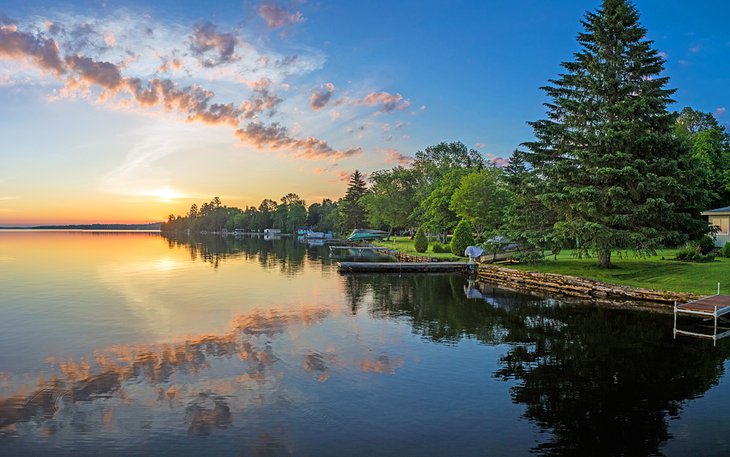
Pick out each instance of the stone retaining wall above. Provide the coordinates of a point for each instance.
(572, 286)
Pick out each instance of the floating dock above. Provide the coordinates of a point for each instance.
(403, 267)
(709, 308)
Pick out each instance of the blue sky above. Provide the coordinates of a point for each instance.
(308, 91)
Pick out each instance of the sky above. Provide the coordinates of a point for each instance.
(127, 111)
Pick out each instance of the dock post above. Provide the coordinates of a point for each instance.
(674, 331)
(714, 334)
(718, 288)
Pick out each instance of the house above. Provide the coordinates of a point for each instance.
(719, 219)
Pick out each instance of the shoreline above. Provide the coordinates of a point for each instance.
(579, 288)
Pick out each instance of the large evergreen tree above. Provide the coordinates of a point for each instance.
(607, 157)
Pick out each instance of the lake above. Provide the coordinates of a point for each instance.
(119, 343)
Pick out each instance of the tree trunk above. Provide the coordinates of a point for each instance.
(604, 258)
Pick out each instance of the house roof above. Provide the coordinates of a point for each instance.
(716, 211)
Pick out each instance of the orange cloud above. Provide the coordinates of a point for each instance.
(276, 16)
(394, 156)
(20, 45)
(386, 101)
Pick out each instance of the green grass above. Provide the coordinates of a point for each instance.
(405, 244)
(649, 272)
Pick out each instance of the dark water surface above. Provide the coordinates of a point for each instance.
(136, 344)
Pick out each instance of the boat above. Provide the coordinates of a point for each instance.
(311, 234)
(367, 235)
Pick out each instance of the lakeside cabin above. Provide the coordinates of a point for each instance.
(719, 219)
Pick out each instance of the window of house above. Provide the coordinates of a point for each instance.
(722, 223)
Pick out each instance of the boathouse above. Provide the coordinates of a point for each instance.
(719, 219)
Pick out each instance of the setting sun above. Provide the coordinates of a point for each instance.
(166, 194)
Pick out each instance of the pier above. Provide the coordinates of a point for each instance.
(403, 267)
(712, 308)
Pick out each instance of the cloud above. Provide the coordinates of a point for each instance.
(275, 136)
(385, 101)
(695, 49)
(321, 97)
(663, 55)
(720, 110)
(104, 74)
(44, 52)
(82, 74)
(277, 17)
(392, 155)
(205, 39)
(480, 145)
(499, 162)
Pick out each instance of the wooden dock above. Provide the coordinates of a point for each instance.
(709, 308)
(402, 267)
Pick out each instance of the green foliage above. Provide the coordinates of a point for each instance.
(693, 253)
(724, 251)
(482, 199)
(706, 244)
(530, 257)
(439, 248)
(606, 161)
(352, 211)
(287, 216)
(710, 145)
(462, 238)
(392, 197)
(528, 221)
(420, 242)
(437, 214)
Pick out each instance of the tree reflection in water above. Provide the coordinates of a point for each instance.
(286, 255)
(602, 381)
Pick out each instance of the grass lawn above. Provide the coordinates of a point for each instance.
(405, 244)
(649, 272)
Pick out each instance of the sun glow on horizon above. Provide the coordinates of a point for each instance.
(166, 194)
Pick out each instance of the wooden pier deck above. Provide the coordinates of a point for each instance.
(402, 267)
(712, 307)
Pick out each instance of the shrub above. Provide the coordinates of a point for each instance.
(706, 244)
(439, 248)
(462, 238)
(692, 253)
(420, 242)
(724, 251)
(529, 257)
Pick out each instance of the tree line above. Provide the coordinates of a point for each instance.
(610, 169)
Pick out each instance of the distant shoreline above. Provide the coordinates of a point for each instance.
(152, 226)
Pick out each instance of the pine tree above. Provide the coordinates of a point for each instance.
(420, 242)
(609, 163)
(353, 214)
(462, 239)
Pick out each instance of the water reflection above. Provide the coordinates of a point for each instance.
(376, 365)
(286, 255)
(601, 381)
(121, 371)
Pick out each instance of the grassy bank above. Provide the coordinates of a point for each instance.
(649, 272)
(405, 244)
(658, 272)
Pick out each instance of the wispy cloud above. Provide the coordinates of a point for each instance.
(720, 110)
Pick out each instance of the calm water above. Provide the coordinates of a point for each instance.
(134, 344)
